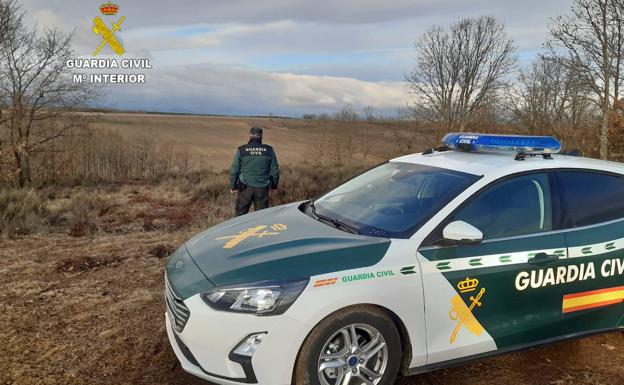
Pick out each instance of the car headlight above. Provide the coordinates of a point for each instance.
(263, 298)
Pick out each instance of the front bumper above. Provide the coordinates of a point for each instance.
(190, 365)
(205, 344)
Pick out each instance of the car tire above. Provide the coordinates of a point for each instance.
(328, 338)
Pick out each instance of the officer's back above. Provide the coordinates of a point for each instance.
(254, 171)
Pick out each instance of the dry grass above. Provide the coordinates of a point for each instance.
(120, 147)
(195, 200)
(215, 139)
(21, 212)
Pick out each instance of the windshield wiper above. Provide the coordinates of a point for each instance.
(335, 222)
(346, 226)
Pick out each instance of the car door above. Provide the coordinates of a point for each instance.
(593, 207)
(483, 297)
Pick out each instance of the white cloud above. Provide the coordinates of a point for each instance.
(211, 89)
(333, 92)
(48, 17)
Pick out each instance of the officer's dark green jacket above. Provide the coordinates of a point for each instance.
(255, 165)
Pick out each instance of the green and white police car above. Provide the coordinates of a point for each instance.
(487, 245)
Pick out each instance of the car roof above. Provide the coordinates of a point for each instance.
(492, 164)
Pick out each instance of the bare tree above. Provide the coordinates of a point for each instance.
(369, 113)
(365, 139)
(551, 98)
(590, 42)
(411, 135)
(10, 17)
(459, 69)
(616, 127)
(35, 88)
(347, 113)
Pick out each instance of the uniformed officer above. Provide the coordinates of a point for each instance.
(254, 171)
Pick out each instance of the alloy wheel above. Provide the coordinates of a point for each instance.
(355, 355)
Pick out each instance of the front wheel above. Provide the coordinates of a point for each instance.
(354, 346)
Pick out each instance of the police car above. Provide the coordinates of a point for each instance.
(487, 245)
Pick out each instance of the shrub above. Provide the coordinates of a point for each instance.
(21, 212)
(210, 188)
(81, 212)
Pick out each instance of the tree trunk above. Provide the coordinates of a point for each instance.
(22, 164)
(606, 73)
(604, 131)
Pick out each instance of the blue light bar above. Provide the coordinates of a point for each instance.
(512, 144)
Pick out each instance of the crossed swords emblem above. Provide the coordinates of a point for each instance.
(252, 232)
(108, 36)
(462, 313)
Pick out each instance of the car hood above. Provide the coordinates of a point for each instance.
(280, 243)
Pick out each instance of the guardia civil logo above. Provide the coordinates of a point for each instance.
(252, 232)
(462, 313)
(108, 34)
(104, 65)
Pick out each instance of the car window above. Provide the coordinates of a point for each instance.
(590, 198)
(516, 206)
(394, 199)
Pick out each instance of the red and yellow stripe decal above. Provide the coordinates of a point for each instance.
(325, 282)
(592, 299)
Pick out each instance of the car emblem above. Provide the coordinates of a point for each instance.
(179, 264)
(462, 313)
(252, 232)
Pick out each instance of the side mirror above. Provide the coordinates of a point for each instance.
(462, 233)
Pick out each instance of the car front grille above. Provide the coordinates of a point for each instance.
(178, 312)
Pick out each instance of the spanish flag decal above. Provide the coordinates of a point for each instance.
(592, 299)
(325, 282)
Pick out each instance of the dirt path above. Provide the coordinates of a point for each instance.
(89, 311)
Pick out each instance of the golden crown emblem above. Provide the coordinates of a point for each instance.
(109, 9)
(468, 284)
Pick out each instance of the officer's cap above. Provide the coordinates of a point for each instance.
(257, 131)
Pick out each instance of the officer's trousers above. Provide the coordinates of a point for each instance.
(259, 196)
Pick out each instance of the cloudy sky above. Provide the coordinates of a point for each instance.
(285, 57)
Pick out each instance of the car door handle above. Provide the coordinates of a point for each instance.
(543, 259)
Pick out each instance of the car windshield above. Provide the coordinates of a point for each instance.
(392, 200)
